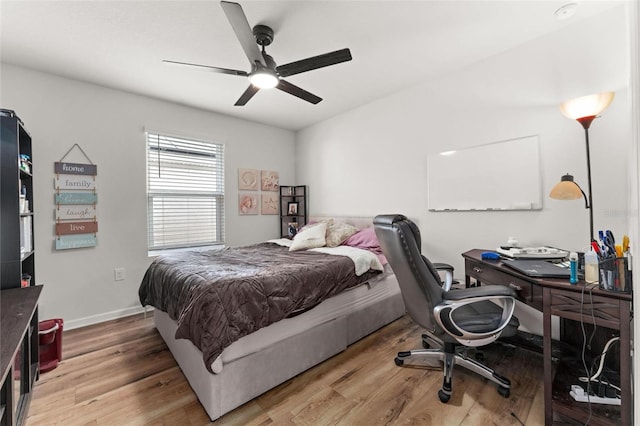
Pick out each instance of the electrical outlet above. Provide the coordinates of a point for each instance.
(118, 274)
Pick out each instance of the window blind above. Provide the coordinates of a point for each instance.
(185, 192)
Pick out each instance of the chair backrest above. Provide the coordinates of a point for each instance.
(419, 281)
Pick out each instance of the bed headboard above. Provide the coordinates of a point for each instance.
(359, 222)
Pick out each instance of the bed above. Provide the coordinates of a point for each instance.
(273, 339)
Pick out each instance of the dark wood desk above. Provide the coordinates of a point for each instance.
(580, 302)
(18, 352)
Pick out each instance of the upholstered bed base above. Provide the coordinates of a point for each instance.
(247, 376)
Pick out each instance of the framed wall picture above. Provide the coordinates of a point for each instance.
(270, 181)
(247, 203)
(269, 204)
(292, 208)
(248, 179)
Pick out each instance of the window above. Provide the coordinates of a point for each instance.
(185, 192)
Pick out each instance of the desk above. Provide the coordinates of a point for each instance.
(558, 297)
(18, 352)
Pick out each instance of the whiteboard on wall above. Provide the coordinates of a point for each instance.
(497, 176)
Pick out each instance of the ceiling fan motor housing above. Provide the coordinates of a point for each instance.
(263, 35)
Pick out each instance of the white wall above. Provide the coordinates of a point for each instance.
(109, 126)
(373, 159)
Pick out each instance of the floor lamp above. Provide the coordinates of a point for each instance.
(584, 110)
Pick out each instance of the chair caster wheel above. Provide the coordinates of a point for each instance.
(505, 392)
(399, 362)
(444, 397)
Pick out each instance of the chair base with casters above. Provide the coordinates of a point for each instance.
(454, 319)
(451, 355)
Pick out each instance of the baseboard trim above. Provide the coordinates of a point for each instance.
(106, 316)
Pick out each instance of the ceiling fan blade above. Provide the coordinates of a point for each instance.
(248, 94)
(241, 27)
(208, 68)
(294, 90)
(314, 62)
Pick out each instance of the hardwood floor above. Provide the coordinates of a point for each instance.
(121, 373)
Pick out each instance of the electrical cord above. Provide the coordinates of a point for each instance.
(591, 378)
(600, 367)
(584, 347)
(593, 317)
(516, 417)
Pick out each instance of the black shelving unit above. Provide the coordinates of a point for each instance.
(19, 352)
(293, 209)
(16, 189)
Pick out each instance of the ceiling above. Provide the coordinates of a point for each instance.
(394, 44)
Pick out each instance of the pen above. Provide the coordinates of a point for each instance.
(603, 246)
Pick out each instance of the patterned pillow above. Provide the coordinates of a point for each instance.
(312, 236)
(337, 233)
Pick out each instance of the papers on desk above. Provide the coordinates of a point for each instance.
(532, 252)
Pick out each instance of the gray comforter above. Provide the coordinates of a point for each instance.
(219, 296)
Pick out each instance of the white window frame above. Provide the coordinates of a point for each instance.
(186, 162)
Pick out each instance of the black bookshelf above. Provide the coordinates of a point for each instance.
(19, 354)
(17, 257)
(293, 209)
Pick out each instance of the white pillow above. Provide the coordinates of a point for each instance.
(311, 237)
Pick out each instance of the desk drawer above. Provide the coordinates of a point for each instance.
(526, 291)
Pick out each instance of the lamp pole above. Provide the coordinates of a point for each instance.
(586, 122)
(585, 109)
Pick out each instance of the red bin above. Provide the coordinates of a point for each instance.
(50, 339)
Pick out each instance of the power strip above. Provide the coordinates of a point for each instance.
(578, 393)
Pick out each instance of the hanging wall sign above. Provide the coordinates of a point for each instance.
(75, 168)
(64, 242)
(66, 228)
(70, 212)
(75, 198)
(74, 182)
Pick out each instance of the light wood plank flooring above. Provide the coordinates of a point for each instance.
(121, 373)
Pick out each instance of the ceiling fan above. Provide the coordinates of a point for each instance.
(265, 74)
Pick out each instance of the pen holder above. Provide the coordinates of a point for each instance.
(615, 275)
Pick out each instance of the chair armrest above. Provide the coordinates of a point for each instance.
(443, 266)
(482, 291)
(448, 272)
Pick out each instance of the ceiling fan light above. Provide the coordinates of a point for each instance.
(587, 106)
(264, 79)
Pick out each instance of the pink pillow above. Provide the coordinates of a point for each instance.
(364, 239)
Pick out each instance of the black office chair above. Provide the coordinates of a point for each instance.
(453, 319)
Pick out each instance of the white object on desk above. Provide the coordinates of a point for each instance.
(533, 252)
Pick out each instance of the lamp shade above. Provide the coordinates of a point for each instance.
(566, 189)
(587, 106)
